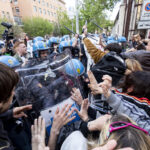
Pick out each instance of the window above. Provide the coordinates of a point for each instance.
(47, 4)
(44, 11)
(40, 10)
(43, 3)
(17, 10)
(3, 14)
(15, 2)
(13, 9)
(48, 13)
(18, 20)
(8, 15)
(35, 8)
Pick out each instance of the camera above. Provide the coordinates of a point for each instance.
(7, 25)
(7, 36)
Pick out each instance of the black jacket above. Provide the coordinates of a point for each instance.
(5, 143)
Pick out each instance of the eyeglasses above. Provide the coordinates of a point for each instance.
(120, 125)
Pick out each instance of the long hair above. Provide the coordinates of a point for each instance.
(125, 137)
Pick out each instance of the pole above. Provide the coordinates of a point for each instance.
(128, 19)
(77, 17)
(72, 28)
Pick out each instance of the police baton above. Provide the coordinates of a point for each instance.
(80, 37)
(69, 30)
(97, 25)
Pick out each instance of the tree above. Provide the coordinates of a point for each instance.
(2, 28)
(17, 30)
(94, 11)
(37, 26)
(63, 20)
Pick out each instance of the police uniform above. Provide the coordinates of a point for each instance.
(75, 52)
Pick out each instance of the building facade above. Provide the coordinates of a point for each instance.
(46, 9)
(6, 10)
(21, 9)
(119, 21)
(126, 23)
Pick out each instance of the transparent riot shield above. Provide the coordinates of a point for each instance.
(47, 86)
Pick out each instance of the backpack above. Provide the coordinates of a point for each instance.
(111, 64)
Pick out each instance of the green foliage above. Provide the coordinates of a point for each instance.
(63, 20)
(1, 27)
(37, 26)
(94, 11)
(17, 30)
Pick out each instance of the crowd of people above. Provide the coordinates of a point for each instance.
(108, 80)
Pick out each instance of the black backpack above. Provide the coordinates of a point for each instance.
(111, 64)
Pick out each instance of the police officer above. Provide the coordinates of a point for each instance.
(40, 50)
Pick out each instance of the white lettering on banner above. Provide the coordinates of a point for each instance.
(144, 25)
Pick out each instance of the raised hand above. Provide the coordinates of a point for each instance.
(38, 134)
(83, 113)
(76, 96)
(18, 112)
(94, 86)
(103, 87)
(95, 89)
(62, 117)
(106, 85)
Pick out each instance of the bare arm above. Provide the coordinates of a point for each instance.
(101, 42)
(76, 41)
(61, 118)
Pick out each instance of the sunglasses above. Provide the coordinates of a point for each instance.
(121, 125)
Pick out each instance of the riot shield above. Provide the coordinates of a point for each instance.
(47, 86)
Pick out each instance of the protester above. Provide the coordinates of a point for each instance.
(97, 54)
(125, 134)
(9, 79)
(21, 51)
(142, 56)
(132, 65)
(123, 130)
(134, 101)
(61, 118)
(117, 83)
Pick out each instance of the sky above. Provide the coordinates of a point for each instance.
(70, 2)
(111, 15)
